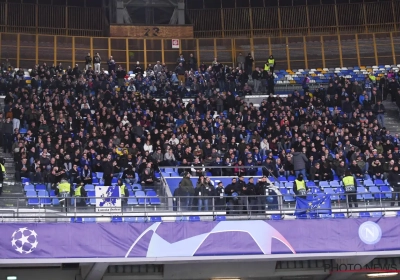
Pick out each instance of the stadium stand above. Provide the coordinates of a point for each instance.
(86, 125)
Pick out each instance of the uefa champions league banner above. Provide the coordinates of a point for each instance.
(107, 199)
(173, 239)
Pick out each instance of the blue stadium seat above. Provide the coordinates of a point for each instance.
(137, 187)
(194, 219)
(291, 178)
(339, 216)
(141, 197)
(132, 201)
(89, 220)
(311, 184)
(386, 190)
(116, 219)
(33, 201)
(154, 200)
(76, 220)
(40, 187)
(29, 188)
(324, 184)
(376, 192)
(52, 193)
(44, 198)
(368, 183)
(95, 180)
(151, 193)
(114, 180)
(379, 182)
(302, 216)
(89, 187)
(364, 215)
(155, 219)
(43, 193)
(376, 214)
(99, 175)
(141, 219)
(325, 216)
(55, 201)
(276, 217)
(334, 184)
(271, 179)
(25, 180)
(129, 219)
(91, 195)
(31, 194)
(220, 218)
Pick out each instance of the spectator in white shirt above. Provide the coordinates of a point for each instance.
(174, 141)
(148, 146)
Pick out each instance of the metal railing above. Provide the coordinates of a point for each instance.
(290, 52)
(303, 20)
(239, 206)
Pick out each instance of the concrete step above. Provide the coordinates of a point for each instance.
(392, 119)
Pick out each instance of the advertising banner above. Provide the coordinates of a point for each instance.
(107, 199)
(188, 239)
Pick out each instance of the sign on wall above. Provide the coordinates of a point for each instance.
(176, 31)
(107, 199)
(175, 43)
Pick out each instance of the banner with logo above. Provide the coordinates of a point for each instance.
(107, 199)
(186, 239)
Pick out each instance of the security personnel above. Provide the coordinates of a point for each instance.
(123, 190)
(350, 188)
(79, 194)
(271, 62)
(300, 187)
(267, 67)
(64, 188)
(372, 78)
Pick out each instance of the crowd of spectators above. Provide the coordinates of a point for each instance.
(78, 121)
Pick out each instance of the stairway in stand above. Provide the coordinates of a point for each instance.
(13, 194)
(392, 118)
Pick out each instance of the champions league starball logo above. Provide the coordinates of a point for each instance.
(24, 240)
